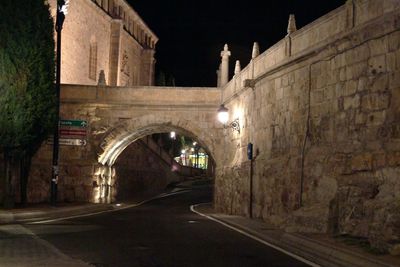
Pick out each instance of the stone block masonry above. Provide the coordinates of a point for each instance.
(324, 119)
(117, 117)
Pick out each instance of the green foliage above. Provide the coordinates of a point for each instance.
(27, 94)
(164, 79)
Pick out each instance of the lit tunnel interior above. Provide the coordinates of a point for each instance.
(117, 177)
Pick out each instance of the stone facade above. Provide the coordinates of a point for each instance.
(117, 117)
(322, 110)
(109, 36)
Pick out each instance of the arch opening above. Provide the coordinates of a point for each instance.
(109, 175)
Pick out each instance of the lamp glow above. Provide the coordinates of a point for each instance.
(223, 114)
(64, 8)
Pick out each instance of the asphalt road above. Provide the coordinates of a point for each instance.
(162, 232)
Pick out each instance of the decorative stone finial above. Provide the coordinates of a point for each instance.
(102, 78)
(256, 50)
(225, 54)
(291, 25)
(237, 67)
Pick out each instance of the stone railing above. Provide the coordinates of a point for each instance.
(309, 38)
(148, 95)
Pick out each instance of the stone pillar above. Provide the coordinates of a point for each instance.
(291, 25)
(225, 54)
(237, 67)
(288, 39)
(256, 51)
(115, 43)
(147, 67)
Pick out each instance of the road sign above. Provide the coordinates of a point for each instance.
(68, 142)
(72, 142)
(73, 123)
(69, 132)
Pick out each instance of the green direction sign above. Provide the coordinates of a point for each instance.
(74, 123)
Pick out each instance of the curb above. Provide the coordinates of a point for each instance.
(313, 250)
(60, 213)
(7, 217)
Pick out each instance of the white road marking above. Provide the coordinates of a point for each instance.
(164, 195)
(192, 208)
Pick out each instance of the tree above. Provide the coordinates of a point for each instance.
(27, 94)
(164, 79)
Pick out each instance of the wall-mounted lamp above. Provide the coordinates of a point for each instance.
(223, 117)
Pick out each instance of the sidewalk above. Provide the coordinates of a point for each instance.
(320, 249)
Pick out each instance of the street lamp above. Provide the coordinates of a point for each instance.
(223, 117)
(223, 114)
(62, 10)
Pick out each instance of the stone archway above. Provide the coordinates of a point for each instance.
(119, 137)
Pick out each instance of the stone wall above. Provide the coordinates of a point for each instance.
(323, 115)
(140, 171)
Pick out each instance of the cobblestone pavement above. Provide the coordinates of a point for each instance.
(19, 247)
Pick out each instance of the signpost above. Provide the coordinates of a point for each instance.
(69, 142)
(73, 123)
(72, 133)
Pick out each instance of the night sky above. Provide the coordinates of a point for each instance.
(193, 32)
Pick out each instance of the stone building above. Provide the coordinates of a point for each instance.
(106, 36)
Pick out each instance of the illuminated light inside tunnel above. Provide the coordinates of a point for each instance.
(115, 146)
(106, 181)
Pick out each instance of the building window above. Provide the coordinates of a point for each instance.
(93, 61)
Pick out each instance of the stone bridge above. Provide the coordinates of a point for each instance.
(117, 117)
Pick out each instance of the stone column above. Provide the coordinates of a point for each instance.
(291, 24)
(237, 67)
(147, 67)
(225, 54)
(256, 51)
(115, 45)
(288, 39)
